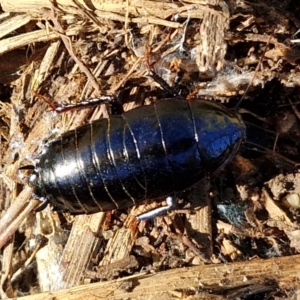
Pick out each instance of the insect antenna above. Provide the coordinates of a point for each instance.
(259, 148)
(264, 135)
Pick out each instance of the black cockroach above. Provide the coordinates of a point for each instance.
(149, 152)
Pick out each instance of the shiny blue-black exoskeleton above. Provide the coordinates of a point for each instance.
(149, 152)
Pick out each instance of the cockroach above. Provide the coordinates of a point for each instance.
(149, 152)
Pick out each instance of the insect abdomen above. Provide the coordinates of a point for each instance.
(148, 152)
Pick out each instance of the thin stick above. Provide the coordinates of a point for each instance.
(67, 42)
(15, 215)
(256, 70)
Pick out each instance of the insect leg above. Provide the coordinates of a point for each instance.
(44, 204)
(171, 203)
(165, 86)
(115, 104)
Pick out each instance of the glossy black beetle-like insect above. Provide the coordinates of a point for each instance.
(149, 152)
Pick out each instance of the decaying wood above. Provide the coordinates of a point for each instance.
(200, 221)
(211, 48)
(82, 244)
(200, 282)
(15, 215)
(63, 51)
(212, 58)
